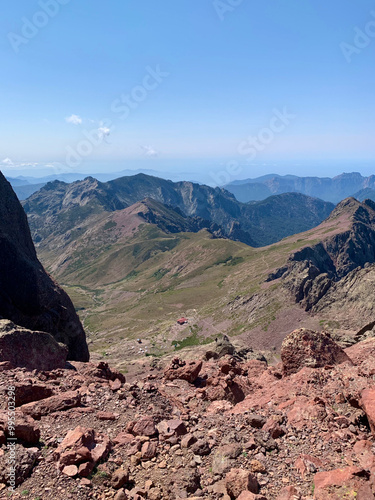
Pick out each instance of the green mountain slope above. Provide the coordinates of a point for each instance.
(130, 278)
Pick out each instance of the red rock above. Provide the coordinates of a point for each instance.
(363, 451)
(306, 464)
(119, 478)
(255, 368)
(121, 495)
(273, 427)
(173, 427)
(148, 450)
(60, 402)
(305, 347)
(181, 370)
(85, 482)
(123, 438)
(368, 405)
(85, 469)
(101, 450)
(239, 480)
(289, 493)
(70, 470)
(144, 427)
(26, 429)
(219, 407)
(3, 438)
(306, 412)
(336, 483)
(29, 392)
(81, 446)
(115, 385)
(247, 495)
(105, 415)
(188, 440)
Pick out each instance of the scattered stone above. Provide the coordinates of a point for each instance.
(144, 427)
(181, 370)
(239, 480)
(119, 478)
(60, 402)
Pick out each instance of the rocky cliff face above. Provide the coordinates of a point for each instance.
(28, 295)
(313, 270)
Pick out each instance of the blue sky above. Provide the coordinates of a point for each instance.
(188, 84)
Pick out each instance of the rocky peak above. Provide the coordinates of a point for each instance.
(311, 271)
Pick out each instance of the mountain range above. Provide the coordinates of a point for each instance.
(329, 189)
(58, 208)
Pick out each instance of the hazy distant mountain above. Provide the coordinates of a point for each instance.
(24, 191)
(365, 194)
(58, 207)
(333, 190)
(35, 183)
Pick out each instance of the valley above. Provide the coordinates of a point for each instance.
(133, 272)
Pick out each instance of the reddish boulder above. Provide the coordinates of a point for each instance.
(26, 429)
(82, 448)
(335, 484)
(181, 370)
(363, 451)
(368, 405)
(30, 349)
(149, 450)
(273, 427)
(144, 427)
(305, 347)
(29, 392)
(119, 478)
(105, 415)
(60, 402)
(168, 428)
(239, 480)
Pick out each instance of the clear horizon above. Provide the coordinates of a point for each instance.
(249, 89)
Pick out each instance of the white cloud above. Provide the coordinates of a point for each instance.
(7, 161)
(103, 131)
(74, 119)
(149, 151)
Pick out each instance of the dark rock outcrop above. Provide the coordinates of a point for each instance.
(30, 349)
(28, 295)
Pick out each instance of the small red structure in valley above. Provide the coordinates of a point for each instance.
(182, 321)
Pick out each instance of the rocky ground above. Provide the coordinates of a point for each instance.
(222, 427)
